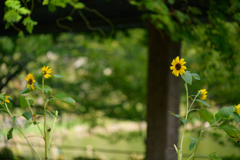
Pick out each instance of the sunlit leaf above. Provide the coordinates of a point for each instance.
(28, 123)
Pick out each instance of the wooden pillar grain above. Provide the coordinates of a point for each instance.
(163, 96)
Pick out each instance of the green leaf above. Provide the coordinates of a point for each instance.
(225, 112)
(24, 11)
(193, 139)
(3, 108)
(2, 97)
(28, 123)
(214, 156)
(236, 116)
(27, 115)
(9, 134)
(26, 90)
(57, 76)
(9, 105)
(171, 1)
(187, 77)
(31, 102)
(206, 116)
(195, 76)
(29, 23)
(21, 34)
(23, 102)
(231, 131)
(47, 89)
(203, 102)
(191, 146)
(63, 97)
(45, 2)
(178, 116)
(69, 18)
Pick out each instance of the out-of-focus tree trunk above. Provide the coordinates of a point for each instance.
(163, 96)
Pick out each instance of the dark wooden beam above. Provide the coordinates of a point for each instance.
(119, 12)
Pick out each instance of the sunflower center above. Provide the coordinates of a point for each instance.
(44, 72)
(30, 81)
(178, 66)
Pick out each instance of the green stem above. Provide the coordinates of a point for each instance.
(199, 139)
(184, 126)
(193, 100)
(32, 115)
(55, 119)
(22, 133)
(45, 121)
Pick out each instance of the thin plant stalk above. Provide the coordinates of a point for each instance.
(32, 115)
(199, 139)
(55, 120)
(184, 126)
(45, 121)
(23, 133)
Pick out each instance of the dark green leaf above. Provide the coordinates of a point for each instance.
(27, 115)
(203, 102)
(9, 105)
(3, 108)
(35, 123)
(191, 146)
(206, 116)
(236, 116)
(63, 97)
(171, 1)
(9, 134)
(187, 77)
(214, 156)
(195, 76)
(231, 131)
(23, 102)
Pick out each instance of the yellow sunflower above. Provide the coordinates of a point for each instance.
(30, 79)
(238, 108)
(203, 94)
(6, 98)
(178, 66)
(46, 71)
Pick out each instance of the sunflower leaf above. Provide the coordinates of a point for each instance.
(57, 76)
(187, 77)
(47, 89)
(203, 102)
(191, 146)
(206, 116)
(23, 102)
(195, 76)
(63, 97)
(214, 156)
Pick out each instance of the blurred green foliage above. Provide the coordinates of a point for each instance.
(104, 75)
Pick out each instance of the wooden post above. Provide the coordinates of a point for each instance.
(163, 96)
